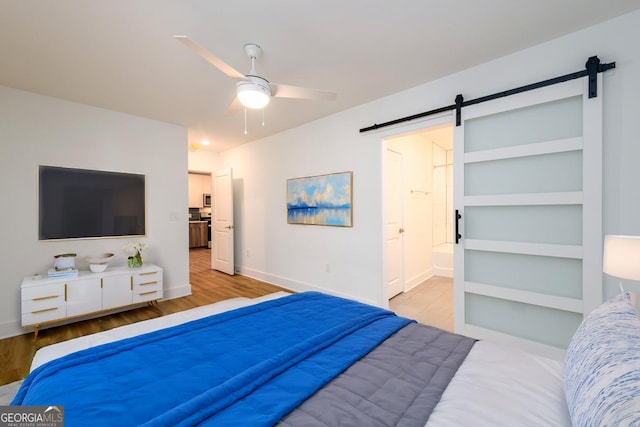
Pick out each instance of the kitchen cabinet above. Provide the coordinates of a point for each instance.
(195, 187)
(198, 234)
(199, 184)
(46, 300)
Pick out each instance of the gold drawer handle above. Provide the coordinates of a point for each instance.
(43, 298)
(44, 310)
(148, 272)
(147, 283)
(148, 293)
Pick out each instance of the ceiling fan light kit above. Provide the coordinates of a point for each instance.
(253, 92)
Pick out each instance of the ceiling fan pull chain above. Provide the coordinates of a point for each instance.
(245, 120)
(262, 116)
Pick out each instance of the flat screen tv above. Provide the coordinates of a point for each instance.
(80, 203)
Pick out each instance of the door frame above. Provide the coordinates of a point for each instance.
(434, 120)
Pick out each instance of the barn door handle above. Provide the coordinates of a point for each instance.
(457, 221)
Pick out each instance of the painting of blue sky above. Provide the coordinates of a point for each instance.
(320, 200)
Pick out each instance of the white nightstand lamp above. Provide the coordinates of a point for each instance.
(622, 257)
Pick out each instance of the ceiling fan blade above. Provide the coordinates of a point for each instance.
(210, 57)
(288, 91)
(235, 106)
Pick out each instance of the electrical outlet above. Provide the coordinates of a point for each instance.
(327, 268)
(173, 216)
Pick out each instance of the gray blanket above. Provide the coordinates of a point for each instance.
(397, 384)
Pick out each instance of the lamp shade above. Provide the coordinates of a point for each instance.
(622, 257)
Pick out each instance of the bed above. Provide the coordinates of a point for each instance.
(316, 360)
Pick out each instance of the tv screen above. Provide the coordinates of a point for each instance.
(80, 203)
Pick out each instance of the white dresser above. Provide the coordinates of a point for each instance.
(53, 300)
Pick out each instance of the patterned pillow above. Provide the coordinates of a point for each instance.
(602, 367)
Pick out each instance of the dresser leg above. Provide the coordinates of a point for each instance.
(35, 332)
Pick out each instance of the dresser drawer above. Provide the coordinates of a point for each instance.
(42, 292)
(44, 315)
(43, 302)
(151, 285)
(147, 277)
(147, 295)
(147, 286)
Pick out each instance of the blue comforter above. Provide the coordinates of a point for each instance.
(249, 366)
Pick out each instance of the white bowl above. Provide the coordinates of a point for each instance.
(98, 268)
(100, 259)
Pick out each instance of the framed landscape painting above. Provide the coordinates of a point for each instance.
(320, 200)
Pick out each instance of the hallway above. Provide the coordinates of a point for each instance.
(430, 303)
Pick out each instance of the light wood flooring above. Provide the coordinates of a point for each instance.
(431, 303)
(207, 286)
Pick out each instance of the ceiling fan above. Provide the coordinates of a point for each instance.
(253, 90)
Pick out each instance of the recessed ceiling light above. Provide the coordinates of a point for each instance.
(205, 142)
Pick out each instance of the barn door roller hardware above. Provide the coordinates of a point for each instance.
(593, 66)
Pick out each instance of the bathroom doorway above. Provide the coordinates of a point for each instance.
(425, 230)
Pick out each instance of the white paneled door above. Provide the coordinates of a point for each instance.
(528, 187)
(222, 253)
(393, 223)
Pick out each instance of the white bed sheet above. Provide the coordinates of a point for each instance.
(495, 386)
(502, 386)
(54, 351)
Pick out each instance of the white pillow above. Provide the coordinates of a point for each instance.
(602, 367)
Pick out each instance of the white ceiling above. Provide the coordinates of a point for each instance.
(120, 54)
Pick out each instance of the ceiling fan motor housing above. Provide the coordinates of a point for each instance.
(253, 50)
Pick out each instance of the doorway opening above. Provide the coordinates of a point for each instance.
(419, 224)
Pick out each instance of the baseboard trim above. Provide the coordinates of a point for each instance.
(418, 279)
(295, 285)
(177, 292)
(11, 329)
(443, 272)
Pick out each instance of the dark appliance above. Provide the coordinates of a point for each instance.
(207, 217)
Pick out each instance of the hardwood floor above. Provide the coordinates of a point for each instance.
(207, 286)
(431, 303)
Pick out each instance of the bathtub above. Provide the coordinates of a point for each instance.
(443, 260)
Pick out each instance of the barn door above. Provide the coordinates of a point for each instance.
(528, 191)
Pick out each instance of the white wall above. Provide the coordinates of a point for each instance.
(295, 256)
(202, 161)
(439, 195)
(39, 130)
